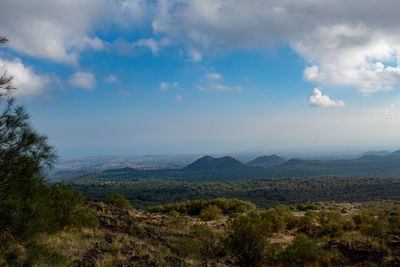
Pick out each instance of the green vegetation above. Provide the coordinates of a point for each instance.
(68, 208)
(265, 193)
(195, 207)
(29, 207)
(210, 213)
(248, 238)
(119, 201)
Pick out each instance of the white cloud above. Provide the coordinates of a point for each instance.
(24, 78)
(82, 80)
(343, 42)
(60, 30)
(317, 99)
(213, 85)
(128, 48)
(351, 56)
(151, 44)
(221, 87)
(178, 98)
(213, 76)
(111, 79)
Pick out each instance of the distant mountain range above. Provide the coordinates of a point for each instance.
(266, 161)
(207, 168)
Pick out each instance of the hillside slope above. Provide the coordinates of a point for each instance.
(207, 163)
(132, 238)
(266, 161)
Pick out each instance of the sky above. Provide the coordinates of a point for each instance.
(103, 77)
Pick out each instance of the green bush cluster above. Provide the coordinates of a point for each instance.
(119, 201)
(194, 207)
(57, 207)
(306, 207)
(380, 224)
(249, 239)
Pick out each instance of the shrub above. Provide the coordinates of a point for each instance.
(394, 224)
(201, 244)
(64, 203)
(333, 224)
(304, 207)
(178, 222)
(119, 201)
(278, 218)
(186, 247)
(210, 244)
(248, 238)
(84, 218)
(210, 213)
(305, 224)
(232, 205)
(301, 251)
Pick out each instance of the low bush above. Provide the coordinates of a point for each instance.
(84, 218)
(301, 252)
(202, 243)
(119, 201)
(210, 213)
(248, 237)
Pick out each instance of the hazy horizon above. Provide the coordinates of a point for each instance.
(327, 153)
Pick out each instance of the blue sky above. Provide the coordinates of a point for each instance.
(203, 76)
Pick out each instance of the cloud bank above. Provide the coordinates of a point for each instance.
(344, 42)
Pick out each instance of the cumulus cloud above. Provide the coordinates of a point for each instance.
(344, 43)
(25, 80)
(179, 98)
(60, 30)
(317, 99)
(81, 79)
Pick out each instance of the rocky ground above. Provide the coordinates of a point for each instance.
(127, 238)
(136, 238)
